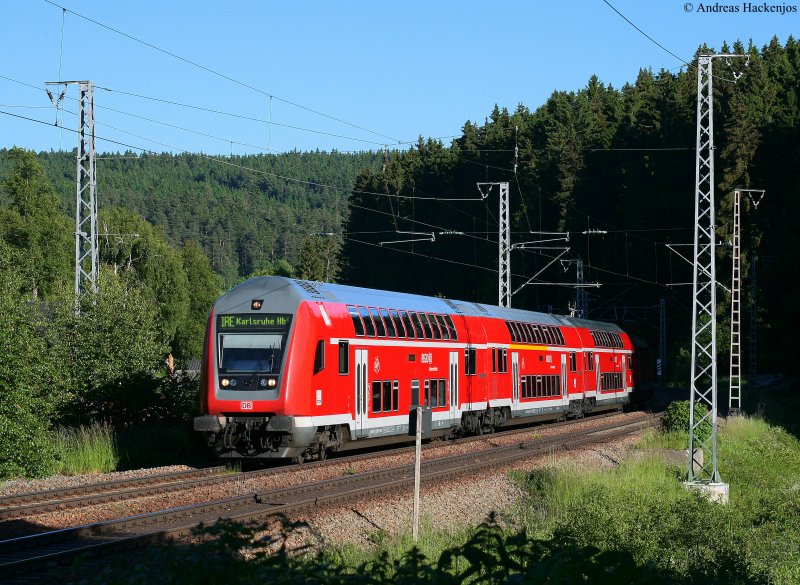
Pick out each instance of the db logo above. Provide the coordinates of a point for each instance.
(376, 366)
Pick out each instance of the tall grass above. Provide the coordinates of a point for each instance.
(85, 449)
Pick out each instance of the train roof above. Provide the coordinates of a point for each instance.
(287, 293)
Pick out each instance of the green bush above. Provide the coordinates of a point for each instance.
(676, 419)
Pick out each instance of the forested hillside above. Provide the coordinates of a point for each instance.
(243, 214)
(618, 163)
(612, 167)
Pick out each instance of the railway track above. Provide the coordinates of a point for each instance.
(29, 554)
(43, 502)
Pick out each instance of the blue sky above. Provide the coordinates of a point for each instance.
(380, 72)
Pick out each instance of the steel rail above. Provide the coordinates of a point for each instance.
(29, 552)
(104, 486)
(99, 493)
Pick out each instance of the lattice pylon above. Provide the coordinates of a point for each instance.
(704, 318)
(86, 249)
(735, 394)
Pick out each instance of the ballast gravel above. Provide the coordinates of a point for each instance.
(459, 503)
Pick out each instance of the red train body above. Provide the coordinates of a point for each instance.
(295, 369)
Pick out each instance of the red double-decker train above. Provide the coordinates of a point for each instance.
(298, 369)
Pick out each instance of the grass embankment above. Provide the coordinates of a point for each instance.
(633, 524)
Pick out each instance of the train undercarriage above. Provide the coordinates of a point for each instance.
(277, 437)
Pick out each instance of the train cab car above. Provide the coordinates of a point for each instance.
(295, 369)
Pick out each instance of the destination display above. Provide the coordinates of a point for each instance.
(249, 321)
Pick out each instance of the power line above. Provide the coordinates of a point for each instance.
(238, 166)
(218, 74)
(626, 19)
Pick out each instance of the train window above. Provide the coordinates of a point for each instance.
(573, 362)
(417, 326)
(451, 326)
(398, 324)
(469, 361)
(523, 333)
(442, 393)
(369, 326)
(380, 329)
(409, 326)
(442, 326)
(344, 357)
(427, 393)
(494, 359)
(319, 357)
(387, 396)
(526, 333)
(524, 386)
(630, 362)
(520, 332)
(387, 320)
(590, 361)
(396, 395)
(504, 361)
(546, 334)
(539, 386)
(359, 326)
(376, 396)
(434, 393)
(510, 330)
(437, 334)
(426, 325)
(560, 336)
(414, 392)
(537, 334)
(250, 353)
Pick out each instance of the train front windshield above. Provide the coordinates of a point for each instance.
(250, 352)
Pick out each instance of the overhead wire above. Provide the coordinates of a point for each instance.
(217, 73)
(230, 163)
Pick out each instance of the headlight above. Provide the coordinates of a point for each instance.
(272, 382)
(233, 383)
(224, 382)
(262, 382)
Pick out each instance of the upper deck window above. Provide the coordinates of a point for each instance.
(398, 323)
(368, 324)
(379, 327)
(357, 324)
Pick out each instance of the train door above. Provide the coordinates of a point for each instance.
(598, 376)
(454, 416)
(564, 385)
(362, 387)
(624, 363)
(515, 381)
